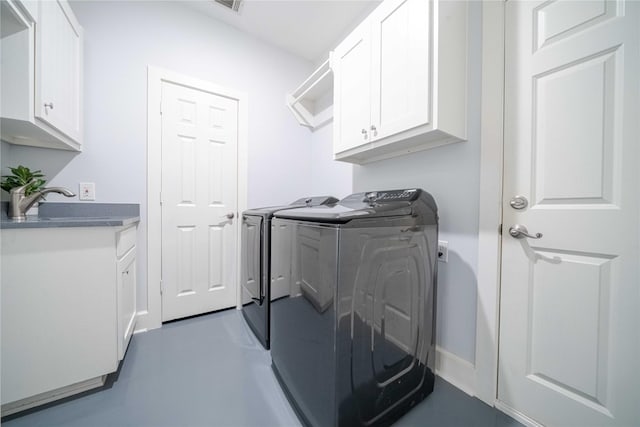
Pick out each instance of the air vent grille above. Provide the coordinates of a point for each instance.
(230, 4)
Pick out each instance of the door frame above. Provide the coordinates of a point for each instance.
(485, 384)
(151, 318)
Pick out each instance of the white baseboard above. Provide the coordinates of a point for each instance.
(50, 396)
(457, 371)
(144, 322)
(516, 415)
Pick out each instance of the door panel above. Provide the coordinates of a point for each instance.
(58, 77)
(557, 20)
(352, 91)
(199, 189)
(586, 127)
(570, 299)
(400, 64)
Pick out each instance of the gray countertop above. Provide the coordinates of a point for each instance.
(75, 215)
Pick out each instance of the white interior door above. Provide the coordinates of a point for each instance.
(570, 300)
(199, 201)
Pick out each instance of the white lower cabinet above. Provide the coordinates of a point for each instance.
(68, 310)
(126, 300)
(126, 286)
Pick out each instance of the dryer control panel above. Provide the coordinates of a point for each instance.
(389, 196)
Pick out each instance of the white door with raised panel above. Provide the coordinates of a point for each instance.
(58, 67)
(351, 63)
(199, 201)
(400, 66)
(570, 299)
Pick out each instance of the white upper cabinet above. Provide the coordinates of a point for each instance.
(352, 89)
(400, 81)
(58, 75)
(42, 76)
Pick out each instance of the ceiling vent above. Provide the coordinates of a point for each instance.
(230, 4)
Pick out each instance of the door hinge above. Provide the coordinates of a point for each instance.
(500, 229)
(160, 196)
(161, 287)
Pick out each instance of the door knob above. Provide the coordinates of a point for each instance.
(519, 231)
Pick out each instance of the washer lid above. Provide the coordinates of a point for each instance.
(300, 203)
(370, 204)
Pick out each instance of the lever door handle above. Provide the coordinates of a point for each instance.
(519, 231)
(229, 215)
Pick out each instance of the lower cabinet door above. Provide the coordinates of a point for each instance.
(126, 300)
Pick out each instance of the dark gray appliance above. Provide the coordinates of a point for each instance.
(256, 263)
(353, 344)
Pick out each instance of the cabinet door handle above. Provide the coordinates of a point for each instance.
(374, 130)
(364, 133)
(48, 105)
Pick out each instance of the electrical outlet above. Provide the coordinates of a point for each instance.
(443, 251)
(87, 191)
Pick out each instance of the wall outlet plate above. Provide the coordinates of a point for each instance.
(87, 191)
(443, 251)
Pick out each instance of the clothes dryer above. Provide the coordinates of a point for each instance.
(256, 277)
(353, 344)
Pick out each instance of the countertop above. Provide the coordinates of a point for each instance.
(75, 215)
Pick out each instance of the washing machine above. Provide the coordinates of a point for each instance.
(256, 278)
(353, 343)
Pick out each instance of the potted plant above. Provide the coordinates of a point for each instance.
(20, 176)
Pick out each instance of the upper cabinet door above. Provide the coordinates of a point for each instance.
(58, 68)
(416, 71)
(399, 66)
(352, 89)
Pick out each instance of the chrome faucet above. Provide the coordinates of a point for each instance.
(19, 204)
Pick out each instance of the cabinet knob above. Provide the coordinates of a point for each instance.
(364, 133)
(374, 130)
(48, 105)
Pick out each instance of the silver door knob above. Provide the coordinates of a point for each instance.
(230, 215)
(519, 231)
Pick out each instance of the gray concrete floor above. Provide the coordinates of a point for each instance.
(211, 371)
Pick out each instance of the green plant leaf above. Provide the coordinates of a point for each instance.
(22, 175)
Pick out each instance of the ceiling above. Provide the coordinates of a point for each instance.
(305, 28)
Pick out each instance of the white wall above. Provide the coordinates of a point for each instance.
(121, 39)
(328, 177)
(451, 174)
